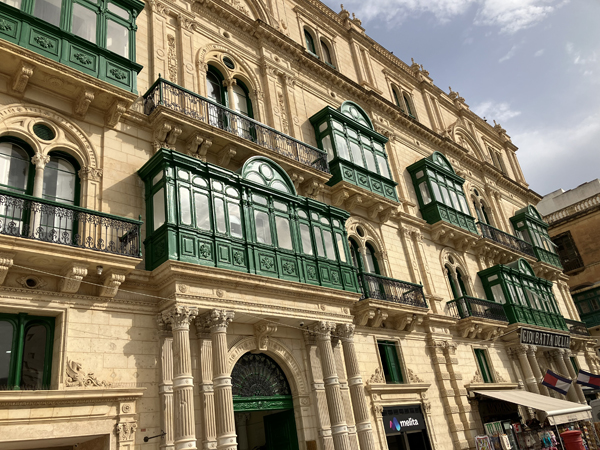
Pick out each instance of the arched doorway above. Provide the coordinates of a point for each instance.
(263, 406)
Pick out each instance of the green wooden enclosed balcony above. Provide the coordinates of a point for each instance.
(379, 287)
(251, 221)
(95, 38)
(588, 306)
(169, 95)
(43, 220)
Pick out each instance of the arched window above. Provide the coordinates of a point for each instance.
(214, 86)
(15, 168)
(371, 264)
(310, 42)
(397, 99)
(480, 208)
(243, 105)
(409, 109)
(326, 53)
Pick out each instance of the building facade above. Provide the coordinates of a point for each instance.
(241, 223)
(573, 217)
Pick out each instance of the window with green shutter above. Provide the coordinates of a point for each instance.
(440, 192)
(392, 370)
(484, 366)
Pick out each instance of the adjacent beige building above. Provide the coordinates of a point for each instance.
(243, 223)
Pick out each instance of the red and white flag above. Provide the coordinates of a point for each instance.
(556, 382)
(588, 379)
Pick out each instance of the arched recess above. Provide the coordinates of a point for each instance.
(455, 268)
(213, 54)
(288, 364)
(263, 171)
(463, 137)
(364, 233)
(18, 121)
(355, 112)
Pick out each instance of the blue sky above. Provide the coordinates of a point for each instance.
(531, 65)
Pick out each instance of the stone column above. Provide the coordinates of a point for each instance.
(218, 320)
(530, 381)
(229, 84)
(357, 389)
(558, 357)
(39, 160)
(165, 387)
(183, 382)
(535, 368)
(571, 369)
(208, 434)
(339, 428)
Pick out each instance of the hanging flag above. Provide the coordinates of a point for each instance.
(556, 382)
(588, 379)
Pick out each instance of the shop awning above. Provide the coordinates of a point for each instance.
(558, 411)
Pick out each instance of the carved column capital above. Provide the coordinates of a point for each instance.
(90, 173)
(126, 431)
(531, 350)
(230, 83)
(40, 160)
(323, 329)
(345, 331)
(180, 316)
(218, 320)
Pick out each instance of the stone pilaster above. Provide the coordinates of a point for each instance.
(335, 405)
(345, 391)
(208, 433)
(571, 369)
(165, 386)
(318, 391)
(535, 369)
(217, 321)
(364, 428)
(558, 357)
(184, 435)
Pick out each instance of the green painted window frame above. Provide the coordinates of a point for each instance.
(392, 369)
(31, 169)
(528, 298)
(355, 152)
(309, 41)
(588, 306)
(484, 366)
(529, 224)
(440, 192)
(21, 322)
(103, 14)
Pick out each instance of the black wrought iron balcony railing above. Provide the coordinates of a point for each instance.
(379, 287)
(505, 239)
(576, 327)
(167, 94)
(466, 306)
(44, 220)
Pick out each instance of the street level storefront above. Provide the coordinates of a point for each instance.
(405, 428)
(553, 417)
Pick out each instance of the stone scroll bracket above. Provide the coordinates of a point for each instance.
(111, 280)
(73, 275)
(6, 262)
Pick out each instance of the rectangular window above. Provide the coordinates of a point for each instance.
(158, 208)
(328, 238)
(390, 362)
(117, 38)
(185, 206)
(48, 11)
(235, 220)
(220, 215)
(84, 23)
(484, 367)
(284, 237)
(202, 211)
(306, 243)
(263, 227)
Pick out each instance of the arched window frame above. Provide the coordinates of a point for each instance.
(31, 169)
(327, 50)
(396, 95)
(440, 192)
(409, 104)
(483, 211)
(457, 276)
(219, 75)
(309, 42)
(76, 166)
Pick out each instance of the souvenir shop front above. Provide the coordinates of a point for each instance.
(405, 428)
(505, 429)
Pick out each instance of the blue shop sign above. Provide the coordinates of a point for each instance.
(399, 419)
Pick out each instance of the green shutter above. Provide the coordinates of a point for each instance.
(391, 363)
(484, 367)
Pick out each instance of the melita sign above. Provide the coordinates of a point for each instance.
(400, 419)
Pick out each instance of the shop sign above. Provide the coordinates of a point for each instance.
(544, 338)
(399, 419)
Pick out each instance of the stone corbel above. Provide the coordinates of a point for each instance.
(297, 179)
(361, 318)
(379, 317)
(114, 113)
(203, 149)
(193, 143)
(226, 154)
(82, 102)
(262, 331)
(374, 211)
(21, 77)
(386, 214)
(173, 135)
(340, 197)
(353, 202)
(161, 130)
(408, 322)
(111, 282)
(312, 188)
(6, 262)
(72, 278)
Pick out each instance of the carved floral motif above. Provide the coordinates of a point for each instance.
(76, 377)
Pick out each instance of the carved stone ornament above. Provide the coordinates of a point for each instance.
(72, 280)
(218, 319)
(32, 282)
(376, 378)
(76, 377)
(477, 378)
(180, 316)
(412, 377)
(345, 331)
(499, 378)
(125, 431)
(262, 331)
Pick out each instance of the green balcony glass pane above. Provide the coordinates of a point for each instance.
(328, 238)
(13, 3)
(158, 208)
(48, 11)
(185, 206)
(117, 38)
(284, 237)
(263, 227)
(306, 241)
(383, 167)
(370, 160)
(84, 23)
(202, 211)
(235, 220)
(341, 145)
(220, 215)
(340, 244)
(319, 241)
(118, 11)
(356, 154)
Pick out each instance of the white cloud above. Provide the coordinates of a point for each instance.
(540, 52)
(500, 112)
(510, 54)
(509, 16)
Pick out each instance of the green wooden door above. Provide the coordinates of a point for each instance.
(280, 431)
